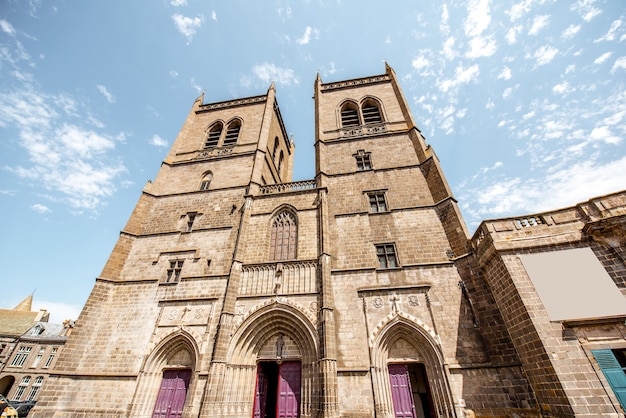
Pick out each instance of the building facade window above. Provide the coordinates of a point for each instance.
(21, 356)
(386, 254)
(173, 273)
(284, 236)
(34, 390)
(275, 151)
(349, 115)
(213, 135)
(191, 217)
(52, 355)
(17, 396)
(363, 160)
(232, 133)
(206, 181)
(377, 202)
(281, 159)
(371, 112)
(38, 358)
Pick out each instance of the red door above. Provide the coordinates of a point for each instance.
(172, 394)
(289, 390)
(401, 391)
(277, 391)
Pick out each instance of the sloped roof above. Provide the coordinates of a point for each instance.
(15, 323)
(26, 305)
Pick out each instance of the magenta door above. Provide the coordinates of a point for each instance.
(289, 390)
(171, 399)
(277, 391)
(401, 391)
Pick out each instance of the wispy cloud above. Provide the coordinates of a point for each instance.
(39, 208)
(7, 27)
(545, 54)
(620, 64)
(105, 92)
(188, 26)
(570, 31)
(157, 141)
(477, 22)
(603, 58)
(178, 3)
(306, 37)
(539, 22)
(268, 72)
(610, 35)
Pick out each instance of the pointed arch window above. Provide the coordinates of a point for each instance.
(284, 236)
(349, 115)
(206, 181)
(276, 145)
(280, 162)
(371, 112)
(213, 135)
(232, 133)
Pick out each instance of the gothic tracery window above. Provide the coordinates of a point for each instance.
(284, 236)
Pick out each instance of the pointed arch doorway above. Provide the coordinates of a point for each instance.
(172, 394)
(277, 392)
(410, 392)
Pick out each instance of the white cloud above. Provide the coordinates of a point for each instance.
(478, 18)
(157, 141)
(481, 46)
(445, 16)
(519, 9)
(490, 105)
(284, 13)
(59, 311)
(178, 3)
(448, 50)
(505, 73)
(603, 133)
(107, 95)
(462, 76)
(507, 92)
(213, 15)
(173, 73)
(603, 58)
(610, 35)
(420, 62)
(539, 22)
(188, 25)
(306, 37)
(7, 27)
(545, 54)
(268, 72)
(586, 9)
(561, 88)
(39, 208)
(570, 31)
(511, 34)
(620, 63)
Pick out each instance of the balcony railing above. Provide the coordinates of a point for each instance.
(295, 186)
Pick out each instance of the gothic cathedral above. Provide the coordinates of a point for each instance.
(235, 292)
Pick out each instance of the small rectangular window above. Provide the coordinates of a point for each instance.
(377, 202)
(191, 217)
(363, 160)
(386, 254)
(173, 273)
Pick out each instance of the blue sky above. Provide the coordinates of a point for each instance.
(523, 102)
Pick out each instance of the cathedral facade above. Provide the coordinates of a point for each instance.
(235, 292)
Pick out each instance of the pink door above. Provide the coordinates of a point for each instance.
(261, 393)
(289, 390)
(401, 391)
(171, 399)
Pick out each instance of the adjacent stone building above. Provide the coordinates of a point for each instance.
(235, 292)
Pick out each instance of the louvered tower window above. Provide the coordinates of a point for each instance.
(232, 133)
(349, 115)
(284, 236)
(213, 136)
(371, 113)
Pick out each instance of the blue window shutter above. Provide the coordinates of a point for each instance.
(613, 373)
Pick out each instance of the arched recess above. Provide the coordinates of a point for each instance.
(349, 114)
(372, 110)
(6, 383)
(283, 234)
(232, 132)
(213, 134)
(277, 332)
(177, 351)
(401, 339)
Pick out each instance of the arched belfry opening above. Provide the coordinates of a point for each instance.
(408, 372)
(272, 365)
(167, 378)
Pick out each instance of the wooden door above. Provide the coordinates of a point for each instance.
(401, 392)
(171, 398)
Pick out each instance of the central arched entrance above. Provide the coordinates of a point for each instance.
(278, 389)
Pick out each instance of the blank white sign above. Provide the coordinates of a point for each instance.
(573, 284)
